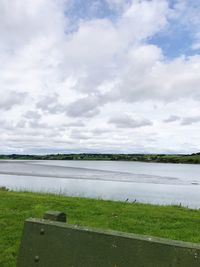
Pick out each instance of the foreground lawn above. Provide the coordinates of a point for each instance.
(163, 221)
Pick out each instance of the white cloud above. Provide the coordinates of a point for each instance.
(23, 21)
(56, 79)
(144, 18)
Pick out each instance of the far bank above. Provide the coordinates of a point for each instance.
(162, 158)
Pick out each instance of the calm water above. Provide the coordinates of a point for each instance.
(131, 181)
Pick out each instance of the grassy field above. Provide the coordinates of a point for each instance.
(162, 221)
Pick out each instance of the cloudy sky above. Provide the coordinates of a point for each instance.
(99, 76)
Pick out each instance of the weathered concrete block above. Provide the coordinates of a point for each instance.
(55, 216)
(55, 244)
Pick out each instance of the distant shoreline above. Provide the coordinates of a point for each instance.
(151, 158)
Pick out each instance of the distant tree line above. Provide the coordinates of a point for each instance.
(165, 158)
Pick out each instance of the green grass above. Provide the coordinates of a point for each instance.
(163, 221)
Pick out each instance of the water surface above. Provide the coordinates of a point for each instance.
(116, 180)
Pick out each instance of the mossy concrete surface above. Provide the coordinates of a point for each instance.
(53, 244)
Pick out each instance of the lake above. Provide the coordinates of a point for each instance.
(157, 183)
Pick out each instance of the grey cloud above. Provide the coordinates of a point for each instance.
(32, 119)
(89, 134)
(184, 121)
(32, 124)
(127, 121)
(32, 115)
(36, 124)
(84, 107)
(21, 124)
(50, 104)
(78, 135)
(6, 125)
(10, 99)
(190, 120)
(172, 118)
(100, 131)
(74, 124)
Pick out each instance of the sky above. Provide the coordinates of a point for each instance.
(100, 76)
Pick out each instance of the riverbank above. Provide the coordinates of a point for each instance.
(172, 222)
(158, 158)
